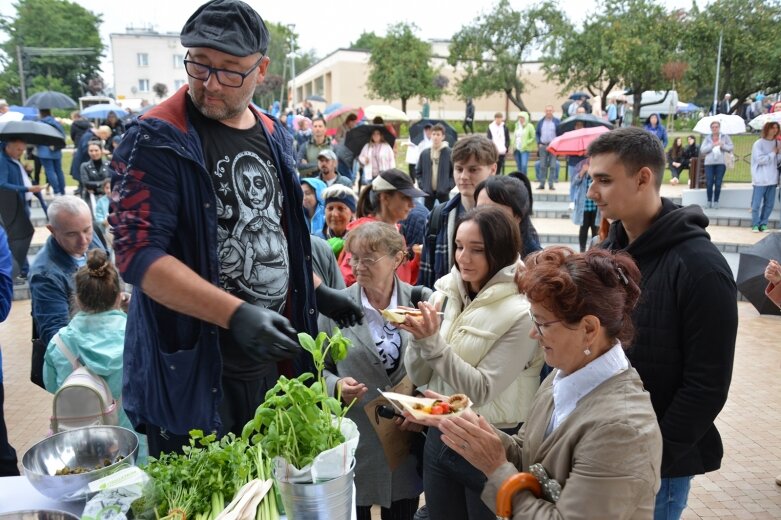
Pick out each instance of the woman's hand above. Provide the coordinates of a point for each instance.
(677, 164)
(425, 326)
(476, 442)
(773, 272)
(351, 389)
(405, 425)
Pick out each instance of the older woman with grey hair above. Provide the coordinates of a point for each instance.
(376, 361)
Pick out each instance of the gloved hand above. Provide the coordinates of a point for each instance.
(263, 334)
(338, 306)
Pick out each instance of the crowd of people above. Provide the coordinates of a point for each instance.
(601, 372)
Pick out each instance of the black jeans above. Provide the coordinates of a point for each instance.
(589, 222)
(8, 460)
(403, 509)
(452, 485)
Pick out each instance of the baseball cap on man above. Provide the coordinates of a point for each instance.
(396, 180)
(229, 26)
(327, 153)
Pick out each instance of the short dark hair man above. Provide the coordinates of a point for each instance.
(474, 160)
(307, 154)
(210, 229)
(434, 170)
(686, 321)
(327, 164)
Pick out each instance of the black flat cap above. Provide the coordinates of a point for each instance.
(229, 26)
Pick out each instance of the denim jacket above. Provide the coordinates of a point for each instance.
(163, 203)
(51, 287)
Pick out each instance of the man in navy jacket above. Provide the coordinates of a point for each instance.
(210, 229)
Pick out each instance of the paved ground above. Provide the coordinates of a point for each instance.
(750, 423)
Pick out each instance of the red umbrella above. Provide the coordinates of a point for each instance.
(575, 142)
(337, 118)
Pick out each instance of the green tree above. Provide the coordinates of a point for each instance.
(625, 42)
(750, 54)
(279, 70)
(366, 41)
(400, 67)
(492, 50)
(50, 24)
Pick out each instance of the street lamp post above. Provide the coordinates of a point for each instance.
(291, 27)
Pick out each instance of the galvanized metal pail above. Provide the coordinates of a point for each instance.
(329, 500)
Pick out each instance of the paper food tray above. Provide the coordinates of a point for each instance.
(407, 402)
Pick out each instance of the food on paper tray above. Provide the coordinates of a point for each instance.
(420, 407)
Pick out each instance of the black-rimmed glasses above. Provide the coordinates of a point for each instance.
(538, 326)
(225, 77)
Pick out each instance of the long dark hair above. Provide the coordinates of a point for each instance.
(501, 237)
(676, 151)
(510, 191)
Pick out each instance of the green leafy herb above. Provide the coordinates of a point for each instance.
(298, 421)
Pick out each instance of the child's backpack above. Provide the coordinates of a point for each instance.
(84, 399)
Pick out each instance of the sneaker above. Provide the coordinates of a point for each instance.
(20, 280)
(710, 204)
(755, 229)
(716, 205)
(422, 513)
(674, 181)
(540, 187)
(763, 229)
(552, 187)
(571, 206)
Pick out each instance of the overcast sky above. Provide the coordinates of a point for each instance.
(321, 25)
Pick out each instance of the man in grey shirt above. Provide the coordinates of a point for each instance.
(547, 166)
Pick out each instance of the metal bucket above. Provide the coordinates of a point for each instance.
(329, 500)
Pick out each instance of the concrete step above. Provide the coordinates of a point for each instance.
(724, 217)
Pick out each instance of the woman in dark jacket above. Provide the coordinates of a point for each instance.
(675, 159)
(93, 172)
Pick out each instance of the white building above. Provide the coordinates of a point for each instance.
(142, 58)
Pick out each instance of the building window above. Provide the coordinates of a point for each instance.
(143, 85)
(143, 59)
(178, 61)
(178, 83)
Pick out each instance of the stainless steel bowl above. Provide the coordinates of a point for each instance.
(87, 447)
(38, 514)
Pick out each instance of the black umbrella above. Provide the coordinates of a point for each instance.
(31, 132)
(751, 272)
(588, 120)
(50, 99)
(362, 134)
(579, 95)
(416, 131)
(315, 97)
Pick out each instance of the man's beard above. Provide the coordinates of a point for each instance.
(218, 113)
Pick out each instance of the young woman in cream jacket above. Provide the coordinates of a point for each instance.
(481, 349)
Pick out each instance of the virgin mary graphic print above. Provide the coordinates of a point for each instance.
(253, 247)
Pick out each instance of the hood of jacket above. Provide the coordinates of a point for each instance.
(674, 225)
(525, 116)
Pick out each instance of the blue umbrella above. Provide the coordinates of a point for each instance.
(101, 111)
(30, 113)
(330, 108)
(579, 95)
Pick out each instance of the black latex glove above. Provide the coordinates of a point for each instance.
(338, 306)
(263, 334)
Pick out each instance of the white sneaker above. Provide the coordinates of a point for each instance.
(571, 206)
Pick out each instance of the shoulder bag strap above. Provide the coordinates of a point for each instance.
(66, 352)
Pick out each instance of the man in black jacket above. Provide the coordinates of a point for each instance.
(686, 320)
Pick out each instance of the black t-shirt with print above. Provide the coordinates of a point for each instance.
(251, 242)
